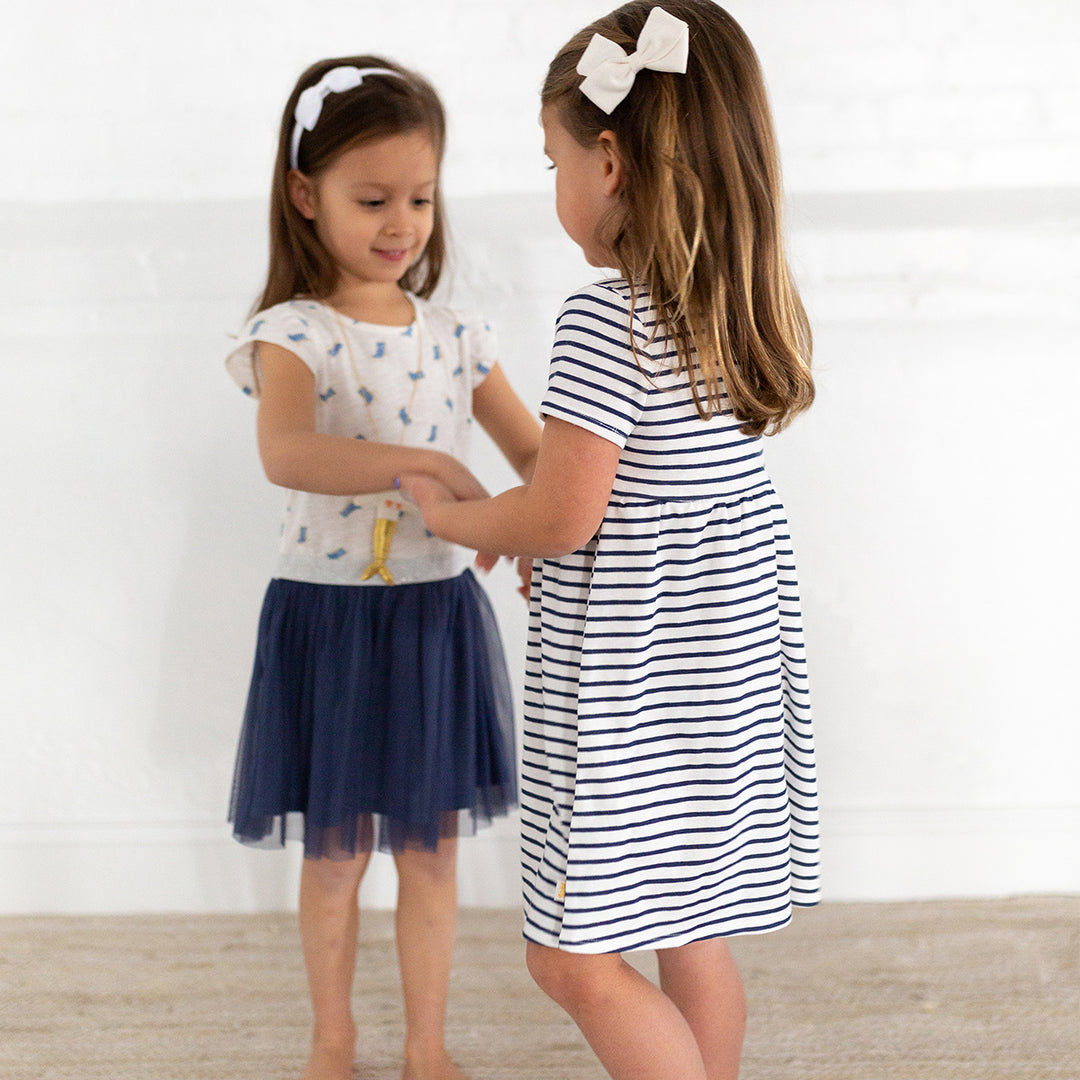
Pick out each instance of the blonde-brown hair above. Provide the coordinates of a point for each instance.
(380, 106)
(698, 222)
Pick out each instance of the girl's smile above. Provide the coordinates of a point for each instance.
(373, 207)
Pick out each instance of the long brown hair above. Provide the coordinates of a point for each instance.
(381, 105)
(698, 221)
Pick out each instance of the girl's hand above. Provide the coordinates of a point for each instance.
(525, 569)
(458, 479)
(486, 561)
(426, 492)
(429, 494)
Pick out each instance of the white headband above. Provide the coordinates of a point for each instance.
(663, 45)
(309, 104)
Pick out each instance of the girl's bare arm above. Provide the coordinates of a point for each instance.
(295, 455)
(556, 513)
(503, 415)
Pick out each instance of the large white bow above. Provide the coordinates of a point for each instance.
(663, 45)
(309, 104)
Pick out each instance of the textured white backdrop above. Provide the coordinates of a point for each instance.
(931, 148)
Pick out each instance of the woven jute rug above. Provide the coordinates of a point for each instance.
(957, 990)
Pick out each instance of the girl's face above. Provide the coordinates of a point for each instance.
(373, 207)
(587, 183)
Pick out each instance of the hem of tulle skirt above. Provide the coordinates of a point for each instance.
(368, 832)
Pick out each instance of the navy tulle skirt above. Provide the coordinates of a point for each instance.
(378, 717)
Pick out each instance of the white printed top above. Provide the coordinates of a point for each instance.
(409, 385)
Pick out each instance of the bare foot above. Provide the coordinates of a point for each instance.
(330, 1060)
(438, 1067)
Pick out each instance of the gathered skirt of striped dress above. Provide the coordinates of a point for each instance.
(668, 786)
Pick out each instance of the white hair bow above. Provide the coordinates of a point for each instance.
(309, 104)
(663, 45)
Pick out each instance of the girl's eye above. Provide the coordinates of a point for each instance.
(422, 202)
(371, 203)
(550, 167)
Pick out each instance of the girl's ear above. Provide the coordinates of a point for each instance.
(612, 164)
(301, 193)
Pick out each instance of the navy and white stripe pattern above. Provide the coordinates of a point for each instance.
(668, 789)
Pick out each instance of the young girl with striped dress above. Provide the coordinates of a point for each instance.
(379, 714)
(668, 786)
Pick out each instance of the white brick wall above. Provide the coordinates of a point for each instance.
(922, 94)
(180, 100)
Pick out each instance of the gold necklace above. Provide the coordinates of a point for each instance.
(388, 511)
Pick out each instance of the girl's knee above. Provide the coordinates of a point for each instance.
(568, 978)
(437, 867)
(334, 878)
(547, 970)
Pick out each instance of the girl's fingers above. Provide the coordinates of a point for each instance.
(525, 569)
(485, 561)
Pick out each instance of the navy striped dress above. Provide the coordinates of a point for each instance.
(668, 787)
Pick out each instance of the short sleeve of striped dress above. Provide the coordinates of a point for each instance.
(668, 787)
(595, 381)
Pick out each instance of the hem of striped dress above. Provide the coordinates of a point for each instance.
(632, 943)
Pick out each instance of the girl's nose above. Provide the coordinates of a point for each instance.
(398, 222)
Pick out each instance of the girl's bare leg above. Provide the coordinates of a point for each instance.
(634, 1028)
(329, 923)
(702, 980)
(426, 916)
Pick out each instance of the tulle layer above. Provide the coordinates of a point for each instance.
(378, 717)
